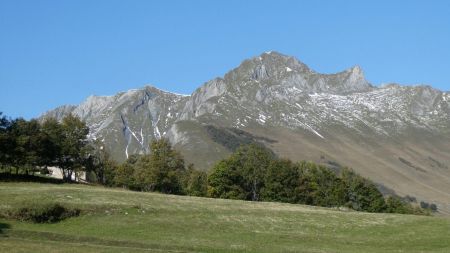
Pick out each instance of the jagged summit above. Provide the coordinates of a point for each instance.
(356, 73)
(153, 88)
(272, 69)
(269, 65)
(391, 133)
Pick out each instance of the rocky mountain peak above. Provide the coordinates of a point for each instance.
(267, 66)
(271, 88)
(353, 80)
(356, 72)
(272, 69)
(278, 101)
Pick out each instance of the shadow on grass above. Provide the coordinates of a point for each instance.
(3, 226)
(99, 242)
(6, 177)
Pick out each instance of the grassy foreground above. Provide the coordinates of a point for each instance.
(125, 221)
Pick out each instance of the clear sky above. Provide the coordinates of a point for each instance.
(61, 51)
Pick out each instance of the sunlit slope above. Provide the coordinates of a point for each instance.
(397, 136)
(125, 221)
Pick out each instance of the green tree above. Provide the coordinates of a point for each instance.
(281, 182)
(362, 194)
(4, 122)
(226, 180)
(52, 142)
(100, 164)
(241, 176)
(162, 170)
(395, 204)
(320, 186)
(27, 147)
(254, 160)
(196, 182)
(6, 143)
(125, 175)
(74, 148)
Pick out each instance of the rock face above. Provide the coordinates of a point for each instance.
(397, 135)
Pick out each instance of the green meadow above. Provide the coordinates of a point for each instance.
(116, 220)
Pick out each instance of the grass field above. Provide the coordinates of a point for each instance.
(125, 221)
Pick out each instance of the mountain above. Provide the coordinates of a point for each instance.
(399, 136)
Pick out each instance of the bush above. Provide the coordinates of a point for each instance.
(426, 205)
(196, 183)
(362, 194)
(42, 212)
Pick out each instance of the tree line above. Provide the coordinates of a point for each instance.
(251, 173)
(254, 173)
(29, 146)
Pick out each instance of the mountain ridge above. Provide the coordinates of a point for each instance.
(354, 68)
(385, 132)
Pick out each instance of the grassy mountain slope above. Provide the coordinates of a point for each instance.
(397, 136)
(415, 164)
(124, 221)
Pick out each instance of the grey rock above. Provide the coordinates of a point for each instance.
(277, 97)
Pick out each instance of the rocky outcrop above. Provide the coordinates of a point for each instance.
(270, 90)
(340, 118)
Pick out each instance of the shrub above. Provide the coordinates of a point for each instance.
(424, 205)
(46, 212)
(429, 206)
(196, 183)
(362, 194)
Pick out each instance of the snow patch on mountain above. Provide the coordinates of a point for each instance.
(271, 90)
(262, 118)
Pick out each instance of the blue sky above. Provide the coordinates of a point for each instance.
(59, 52)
